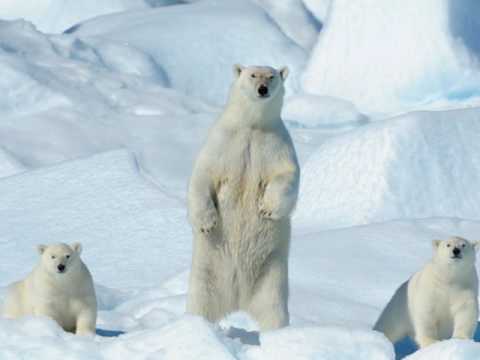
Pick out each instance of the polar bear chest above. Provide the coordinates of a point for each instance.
(244, 167)
(245, 164)
(438, 304)
(63, 308)
(441, 312)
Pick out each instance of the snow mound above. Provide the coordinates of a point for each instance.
(388, 56)
(197, 44)
(294, 19)
(42, 72)
(41, 338)
(8, 164)
(321, 343)
(310, 111)
(65, 97)
(449, 350)
(419, 165)
(55, 16)
(186, 338)
(318, 8)
(93, 201)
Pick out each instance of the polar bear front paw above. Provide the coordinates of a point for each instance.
(266, 212)
(208, 221)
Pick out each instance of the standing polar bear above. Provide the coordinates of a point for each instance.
(59, 287)
(438, 302)
(242, 192)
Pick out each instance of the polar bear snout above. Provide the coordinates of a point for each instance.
(262, 91)
(457, 253)
(61, 268)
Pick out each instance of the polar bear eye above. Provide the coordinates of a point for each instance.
(463, 245)
(53, 256)
(448, 245)
(68, 256)
(253, 76)
(270, 77)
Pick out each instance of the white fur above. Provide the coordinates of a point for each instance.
(242, 192)
(68, 297)
(438, 302)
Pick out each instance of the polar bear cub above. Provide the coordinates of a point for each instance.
(438, 302)
(242, 192)
(60, 287)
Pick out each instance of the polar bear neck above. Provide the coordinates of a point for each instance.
(448, 273)
(241, 111)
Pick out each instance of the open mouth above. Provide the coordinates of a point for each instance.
(456, 257)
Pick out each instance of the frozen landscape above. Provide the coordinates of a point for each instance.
(105, 104)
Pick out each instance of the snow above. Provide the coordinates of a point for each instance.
(321, 343)
(8, 164)
(84, 97)
(295, 20)
(86, 195)
(419, 165)
(322, 112)
(452, 349)
(318, 8)
(55, 16)
(222, 32)
(413, 54)
(100, 127)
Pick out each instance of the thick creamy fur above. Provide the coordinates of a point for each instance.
(438, 302)
(242, 192)
(68, 297)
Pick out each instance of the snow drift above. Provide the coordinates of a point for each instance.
(8, 164)
(99, 201)
(295, 20)
(198, 44)
(186, 338)
(64, 98)
(55, 16)
(424, 164)
(388, 56)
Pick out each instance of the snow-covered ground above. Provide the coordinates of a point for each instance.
(100, 126)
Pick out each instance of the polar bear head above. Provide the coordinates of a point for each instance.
(455, 250)
(59, 258)
(260, 83)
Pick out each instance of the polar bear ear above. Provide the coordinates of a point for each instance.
(237, 70)
(77, 247)
(41, 248)
(476, 245)
(436, 244)
(284, 72)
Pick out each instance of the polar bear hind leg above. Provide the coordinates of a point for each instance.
(268, 304)
(206, 297)
(12, 306)
(394, 321)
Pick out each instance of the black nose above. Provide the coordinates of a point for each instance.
(263, 90)
(456, 251)
(61, 267)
